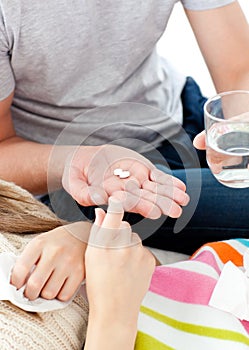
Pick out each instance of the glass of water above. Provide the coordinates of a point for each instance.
(227, 137)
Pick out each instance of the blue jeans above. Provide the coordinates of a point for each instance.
(215, 212)
(221, 213)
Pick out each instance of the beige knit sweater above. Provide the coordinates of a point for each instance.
(21, 330)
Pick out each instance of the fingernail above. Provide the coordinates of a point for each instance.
(114, 206)
(97, 199)
(186, 200)
(155, 213)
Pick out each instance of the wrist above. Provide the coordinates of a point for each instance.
(113, 316)
(107, 310)
(109, 333)
(56, 165)
(79, 230)
(60, 161)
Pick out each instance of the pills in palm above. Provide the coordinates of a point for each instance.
(123, 174)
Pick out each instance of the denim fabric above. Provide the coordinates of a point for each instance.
(221, 213)
(179, 151)
(215, 212)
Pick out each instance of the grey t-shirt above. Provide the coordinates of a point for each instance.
(69, 60)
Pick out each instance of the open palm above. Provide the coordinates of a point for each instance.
(89, 178)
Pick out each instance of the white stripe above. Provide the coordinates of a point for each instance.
(180, 340)
(196, 266)
(202, 315)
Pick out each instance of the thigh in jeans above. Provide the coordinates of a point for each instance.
(220, 213)
(178, 152)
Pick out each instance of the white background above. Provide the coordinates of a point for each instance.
(178, 45)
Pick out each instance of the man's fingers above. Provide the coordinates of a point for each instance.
(174, 193)
(136, 204)
(168, 201)
(167, 205)
(162, 178)
(200, 141)
(115, 183)
(148, 204)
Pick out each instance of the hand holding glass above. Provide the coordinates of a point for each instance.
(227, 137)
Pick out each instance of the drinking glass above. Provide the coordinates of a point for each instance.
(227, 137)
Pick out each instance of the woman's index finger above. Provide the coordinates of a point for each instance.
(114, 215)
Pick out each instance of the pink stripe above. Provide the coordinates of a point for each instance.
(181, 285)
(208, 258)
(246, 325)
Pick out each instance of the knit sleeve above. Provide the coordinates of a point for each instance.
(7, 82)
(204, 4)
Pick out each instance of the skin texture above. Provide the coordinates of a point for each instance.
(59, 259)
(115, 277)
(147, 191)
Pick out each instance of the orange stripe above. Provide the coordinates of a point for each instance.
(225, 252)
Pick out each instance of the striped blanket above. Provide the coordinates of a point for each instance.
(175, 313)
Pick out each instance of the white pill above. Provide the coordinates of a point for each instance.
(117, 172)
(124, 174)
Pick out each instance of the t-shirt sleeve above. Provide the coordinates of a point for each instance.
(204, 4)
(7, 82)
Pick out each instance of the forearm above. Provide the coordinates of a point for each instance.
(26, 163)
(240, 81)
(223, 37)
(233, 79)
(110, 335)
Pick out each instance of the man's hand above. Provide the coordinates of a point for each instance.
(89, 178)
(200, 141)
(52, 264)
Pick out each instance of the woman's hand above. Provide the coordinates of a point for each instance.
(52, 264)
(118, 274)
(89, 178)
